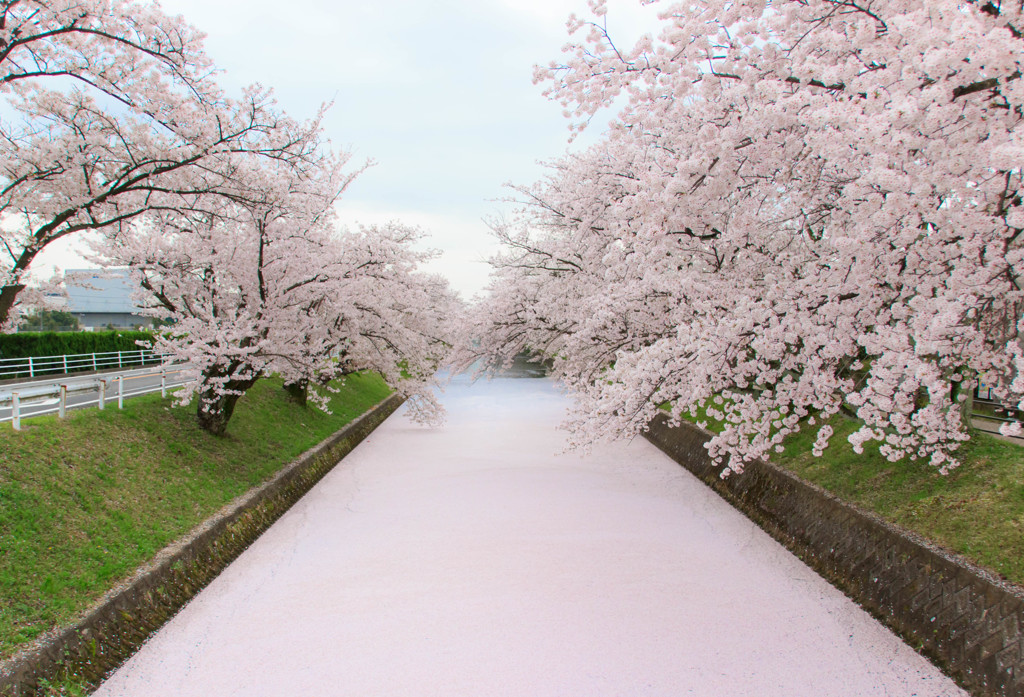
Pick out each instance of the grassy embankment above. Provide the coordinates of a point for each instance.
(86, 500)
(977, 510)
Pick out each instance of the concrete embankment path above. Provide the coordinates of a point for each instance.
(473, 560)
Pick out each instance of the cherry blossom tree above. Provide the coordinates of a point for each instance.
(270, 286)
(383, 314)
(112, 111)
(375, 311)
(804, 207)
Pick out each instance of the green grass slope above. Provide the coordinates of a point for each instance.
(976, 510)
(86, 500)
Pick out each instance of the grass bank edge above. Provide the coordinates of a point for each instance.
(87, 500)
(977, 510)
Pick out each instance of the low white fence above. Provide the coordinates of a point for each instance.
(35, 366)
(52, 397)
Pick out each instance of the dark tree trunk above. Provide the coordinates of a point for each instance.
(958, 390)
(214, 410)
(8, 294)
(297, 391)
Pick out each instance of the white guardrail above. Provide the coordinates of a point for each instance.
(36, 366)
(52, 397)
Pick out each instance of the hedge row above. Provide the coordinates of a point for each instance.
(25, 344)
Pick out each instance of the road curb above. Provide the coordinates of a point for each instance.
(112, 630)
(967, 621)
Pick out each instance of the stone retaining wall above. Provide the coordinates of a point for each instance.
(968, 622)
(124, 618)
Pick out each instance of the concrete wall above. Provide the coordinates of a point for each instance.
(118, 625)
(968, 622)
(98, 321)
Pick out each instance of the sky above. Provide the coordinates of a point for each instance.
(438, 93)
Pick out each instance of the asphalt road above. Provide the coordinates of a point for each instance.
(135, 383)
(475, 560)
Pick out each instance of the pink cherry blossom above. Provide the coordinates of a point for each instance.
(112, 112)
(802, 207)
(273, 287)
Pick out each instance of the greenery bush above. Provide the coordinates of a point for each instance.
(25, 344)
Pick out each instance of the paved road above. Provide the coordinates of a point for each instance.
(136, 381)
(473, 560)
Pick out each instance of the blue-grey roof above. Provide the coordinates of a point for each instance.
(99, 290)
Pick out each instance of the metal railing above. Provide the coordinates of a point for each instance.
(35, 366)
(987, 407)
(53, 397)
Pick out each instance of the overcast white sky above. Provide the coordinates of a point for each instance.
(438, 92)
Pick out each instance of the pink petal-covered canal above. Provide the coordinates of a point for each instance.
(475, 560)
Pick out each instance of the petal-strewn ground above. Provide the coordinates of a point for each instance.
(475, 560)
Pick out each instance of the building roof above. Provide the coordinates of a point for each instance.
(99, 290)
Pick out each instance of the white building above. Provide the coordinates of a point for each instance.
(103, 297)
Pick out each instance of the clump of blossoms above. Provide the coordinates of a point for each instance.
(275, 287)
(110, 113)
(804, 207)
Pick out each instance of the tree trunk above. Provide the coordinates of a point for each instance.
(297, 391)
(8, 294)
(958, 390)
(214, 410)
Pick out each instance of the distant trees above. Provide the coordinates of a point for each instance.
(805, 207)
(48, 321)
